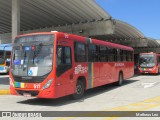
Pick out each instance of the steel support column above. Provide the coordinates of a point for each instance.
(15, 18)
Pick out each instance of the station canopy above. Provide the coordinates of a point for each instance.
(38, 14)
(35, 14)
(126, 34)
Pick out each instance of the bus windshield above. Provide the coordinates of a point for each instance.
(5, 52)
(147, 60)
(32, 60)
(1, 58)
(2, 61)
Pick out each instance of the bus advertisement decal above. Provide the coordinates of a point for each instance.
(17, 62)
(89, 40)
(19, 85)
(27, 48)
(80, 69)
(33, 71)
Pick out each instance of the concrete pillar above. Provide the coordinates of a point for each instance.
(15, 18)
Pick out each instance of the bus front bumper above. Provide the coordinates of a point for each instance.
(148, 70)
(28, 91)
(4, 69)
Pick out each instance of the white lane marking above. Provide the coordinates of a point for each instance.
(148, 84)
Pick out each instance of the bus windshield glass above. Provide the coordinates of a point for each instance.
(30, 59)
(1, 58)
(147, 60)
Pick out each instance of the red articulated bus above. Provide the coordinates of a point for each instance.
(56, 64)
(149, 63)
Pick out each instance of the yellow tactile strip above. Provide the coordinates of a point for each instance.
(139, 106)
(4, 92)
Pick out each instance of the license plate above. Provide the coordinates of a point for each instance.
(26, 94)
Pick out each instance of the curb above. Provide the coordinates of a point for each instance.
(5, 92)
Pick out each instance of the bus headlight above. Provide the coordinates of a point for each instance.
(47, 85)
(5, 67)
(154, 68)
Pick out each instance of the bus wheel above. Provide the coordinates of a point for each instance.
(79, 90)
(158, 72)
(120, 80)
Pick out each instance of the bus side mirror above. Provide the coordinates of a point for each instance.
(8, 63)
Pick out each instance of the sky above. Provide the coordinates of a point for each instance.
(142, 14)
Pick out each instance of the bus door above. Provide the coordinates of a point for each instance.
(64, 69)
(8, 55)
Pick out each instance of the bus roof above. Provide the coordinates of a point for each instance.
(6, 47)
(150, 53)
(95, 41)
(113, 45)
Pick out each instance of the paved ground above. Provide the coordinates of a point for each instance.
(140, 93)
(4, 82)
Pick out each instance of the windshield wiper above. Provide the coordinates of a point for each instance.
(34, 56)
(24, 58)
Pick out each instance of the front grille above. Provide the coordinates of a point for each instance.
(33, 93)
(29, 79)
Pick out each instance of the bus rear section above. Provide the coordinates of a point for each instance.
(149, 63)
(5, 54)
(52, 65)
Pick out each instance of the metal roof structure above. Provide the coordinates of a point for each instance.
(127, 31)
(35, 14)
(124, 30)
(153, 43)
(127, 34)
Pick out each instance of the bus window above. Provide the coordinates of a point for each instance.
(110, 54)
(93, 53)
(1, 58)
(124, 55)
(118, 55)
(130, 55)
(121, 55)
(64, 61)
(158, 60)
(80, 52)
(102, 54)
(115, 54)
(8, 54)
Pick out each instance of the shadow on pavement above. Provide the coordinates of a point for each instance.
(4, 80)
(67, 100)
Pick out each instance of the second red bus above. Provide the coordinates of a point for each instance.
(149, 63)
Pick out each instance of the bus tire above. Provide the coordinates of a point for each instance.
(79, 90)
(120, 79)
(157, 72)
